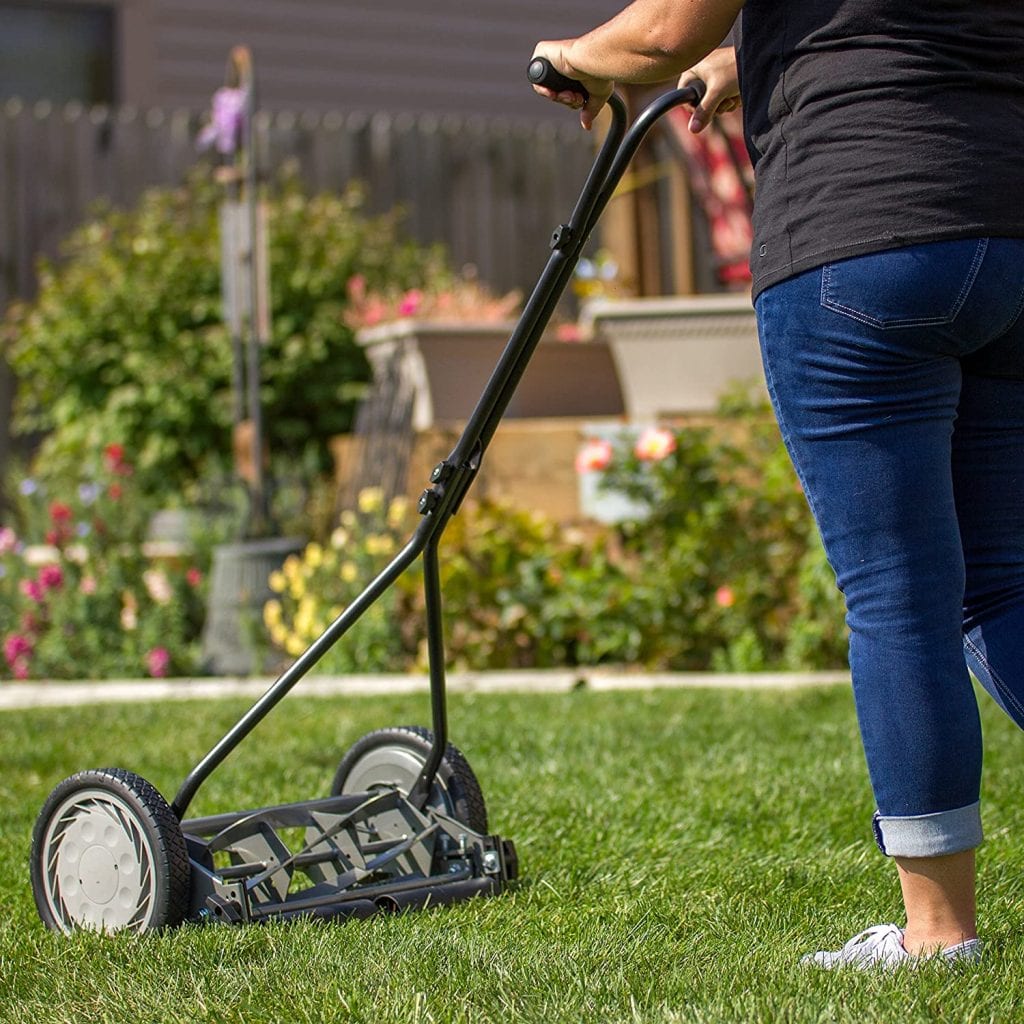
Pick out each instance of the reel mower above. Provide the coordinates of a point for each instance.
(405, 824)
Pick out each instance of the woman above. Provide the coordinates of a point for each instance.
(888, 280)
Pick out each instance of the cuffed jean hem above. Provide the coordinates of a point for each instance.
(929, 835)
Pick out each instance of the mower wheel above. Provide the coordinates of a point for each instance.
(108, 854)
(396, 756)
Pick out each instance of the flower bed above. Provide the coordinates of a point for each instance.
(79, 597)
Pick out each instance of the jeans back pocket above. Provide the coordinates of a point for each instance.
(916, 286)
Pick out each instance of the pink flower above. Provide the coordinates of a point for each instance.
(16, 646)
(31, 589)
(193, 577)
(51, 577)
(654, 444)
(158, 660)
(411, 302)
(88, 585)
(20, 668)
(356, 287)
(724, 597)
(570, 333)
(594, 456)
(8, 540)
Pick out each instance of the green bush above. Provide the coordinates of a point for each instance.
(728, 568)
(125, 340)
(721, 568)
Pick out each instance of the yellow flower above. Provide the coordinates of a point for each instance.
(397, 511)
(278, 636)
(277, 581)
(305, 617)
(370, 500)
(297, 588)
(379, 544)
(272, 614)
(294, 645)
(314, 555)
(349, 572)
(292, 567)
(348, 519)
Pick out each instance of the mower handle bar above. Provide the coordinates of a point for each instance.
(452, 477)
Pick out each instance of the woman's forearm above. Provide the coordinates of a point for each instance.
(652, 40)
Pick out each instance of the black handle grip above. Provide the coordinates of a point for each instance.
(542, 72)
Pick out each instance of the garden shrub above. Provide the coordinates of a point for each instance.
(720, 569)
(125, 339)
(726, 557)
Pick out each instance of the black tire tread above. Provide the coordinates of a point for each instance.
(169, 840)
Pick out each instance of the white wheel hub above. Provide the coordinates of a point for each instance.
(98, 870)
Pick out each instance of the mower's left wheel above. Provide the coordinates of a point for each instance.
(108, 855)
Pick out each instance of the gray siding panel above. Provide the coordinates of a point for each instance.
(397, 55)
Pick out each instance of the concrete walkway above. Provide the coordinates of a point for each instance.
(53, 694)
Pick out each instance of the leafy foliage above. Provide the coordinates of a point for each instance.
(126, 340)
(720, 569)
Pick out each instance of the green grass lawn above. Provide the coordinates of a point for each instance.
(679, 849)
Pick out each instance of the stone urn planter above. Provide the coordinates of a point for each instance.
(676, 356)
(449, 364)
(239, 588)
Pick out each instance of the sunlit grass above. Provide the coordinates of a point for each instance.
(680, 850)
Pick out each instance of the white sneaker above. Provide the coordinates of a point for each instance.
(882, 946)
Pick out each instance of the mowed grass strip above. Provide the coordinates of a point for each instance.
(680, 850)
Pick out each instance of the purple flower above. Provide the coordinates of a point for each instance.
(28, 487)
(88, 493)
(227, 118)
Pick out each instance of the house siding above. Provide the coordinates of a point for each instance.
(441, 56)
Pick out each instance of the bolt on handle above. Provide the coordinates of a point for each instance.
(542, 72)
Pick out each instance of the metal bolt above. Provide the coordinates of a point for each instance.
(492, 865)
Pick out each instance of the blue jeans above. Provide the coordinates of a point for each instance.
(898, 382)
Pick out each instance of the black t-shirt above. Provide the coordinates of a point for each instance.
(879, 123)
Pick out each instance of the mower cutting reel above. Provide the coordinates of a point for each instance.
(405, 824)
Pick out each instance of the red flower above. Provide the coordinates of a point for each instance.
(115, 491)
(724, 597)
(59, 512)
(113, 459)
(193, 577)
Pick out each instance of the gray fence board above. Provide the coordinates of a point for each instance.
(489, 190)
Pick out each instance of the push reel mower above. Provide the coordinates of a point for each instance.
(405, 824)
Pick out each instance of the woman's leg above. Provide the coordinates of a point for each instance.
(863, 360)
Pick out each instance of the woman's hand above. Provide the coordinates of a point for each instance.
(557, 51)
(718, 72)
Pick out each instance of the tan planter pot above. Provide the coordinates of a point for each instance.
(449, 365)
(678, 355)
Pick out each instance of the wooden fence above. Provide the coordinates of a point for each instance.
(491, 190)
